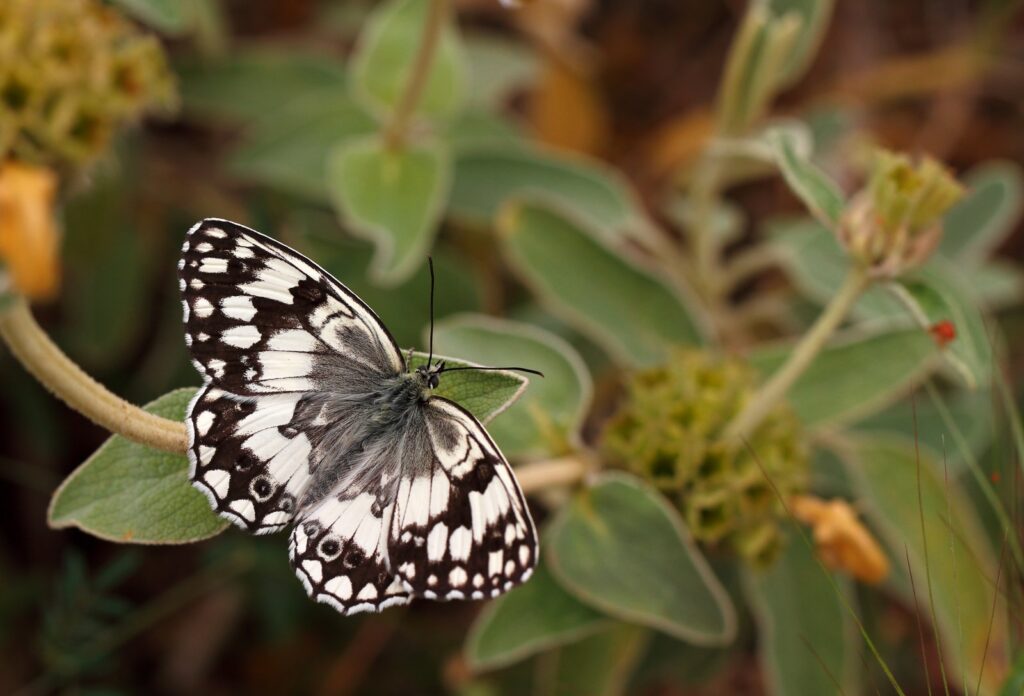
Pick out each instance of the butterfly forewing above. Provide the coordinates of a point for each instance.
(261, 318)
(307, 416)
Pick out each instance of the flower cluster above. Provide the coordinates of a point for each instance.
(71, 73)
(894, 224)
(669, 429)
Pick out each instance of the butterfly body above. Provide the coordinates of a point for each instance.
(309, 417)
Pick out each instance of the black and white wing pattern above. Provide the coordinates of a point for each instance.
(266, 327)
(307, 416)
(444, 520)
(261, 318)
(461, 528)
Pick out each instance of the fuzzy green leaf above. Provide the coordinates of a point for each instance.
(815, 16)
(627, 310)
(807, 637)
(237, 87)
(599, 665)
(619, 547)
(393, 198)
(989, 212)
(385, 55)
(532, 618)
(130, 493)
(549, 415)
(287, 149)
(485, 394)
(487, 177)
(819, 193)
(939, 292)
(961, 563)
(855, 376)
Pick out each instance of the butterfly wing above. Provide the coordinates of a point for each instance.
(460, 528)
(261, 318)
(268, 329)
(339, 547)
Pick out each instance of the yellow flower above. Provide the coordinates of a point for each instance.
(72, 72)
(668, 431)
(28, 230)
(843, 542)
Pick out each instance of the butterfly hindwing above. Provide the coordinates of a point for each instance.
(246, 458)
(339, 553)
(261, 318)
(460, 528)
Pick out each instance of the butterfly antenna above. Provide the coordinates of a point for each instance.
(430, 263)
(512, 369)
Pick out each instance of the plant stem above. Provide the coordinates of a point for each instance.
(563, 471)
(69, 383)
(706, 192)
(405, 109)
(802, 356)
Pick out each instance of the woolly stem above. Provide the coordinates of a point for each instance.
(801, 358)
(405, 109)
(68, 382)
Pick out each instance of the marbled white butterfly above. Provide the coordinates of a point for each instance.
(310, 416)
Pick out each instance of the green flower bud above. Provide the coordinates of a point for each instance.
(668, 431)
(73, 72)
(895, 223)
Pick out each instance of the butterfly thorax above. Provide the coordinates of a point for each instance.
(396, 397)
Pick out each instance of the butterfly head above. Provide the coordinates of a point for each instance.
(431, 374)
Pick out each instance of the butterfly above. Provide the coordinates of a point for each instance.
(309, 416)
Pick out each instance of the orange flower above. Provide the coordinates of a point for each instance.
(843, 542)
(28, 229)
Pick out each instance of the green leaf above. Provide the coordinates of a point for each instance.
(819, 193)
(971, 412)
(938, 292)
(627, 310)
(485, 394)
(168, 16)
(619, 547)
(475, 130)
(815, 16)
(855, 376)
(130, 493)
(547, 419)
(487, 177)
(251, 83)
(384, 58)
(287, 149)
(109, 265)
(807, 637)
(499, 66)
(997, 284)
(979, 223)
(532, 618)
(598, 665)
(394, 198)
(961, 563)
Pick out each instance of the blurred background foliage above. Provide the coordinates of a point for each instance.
(650, 202)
